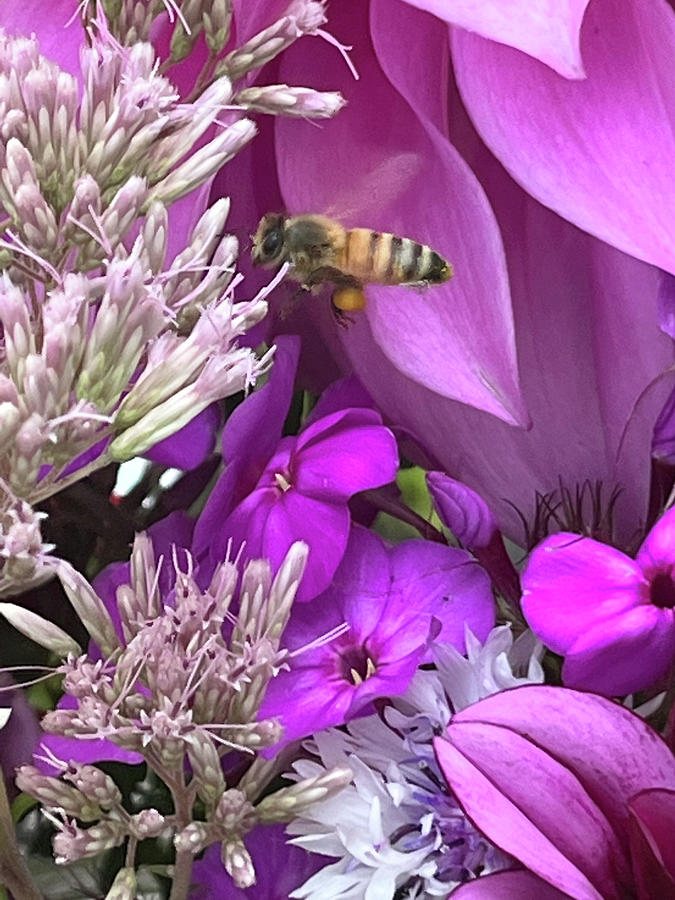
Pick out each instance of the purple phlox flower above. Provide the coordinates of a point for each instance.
(391, 601)
(544, 29)
(280, 867)
(523, 762)
(276, 490)
(397, 827)
(611, 617)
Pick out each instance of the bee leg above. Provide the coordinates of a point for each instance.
(292, 302)
(341, 317)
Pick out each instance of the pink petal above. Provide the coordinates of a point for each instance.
(623, 653)
(541, 839)
(658, 548)
(652, 825)
(545, 29)
(378, 165)
(571, 584)
(508, 886)
(597, 151)
(577, 729)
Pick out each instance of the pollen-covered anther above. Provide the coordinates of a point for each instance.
(282, 481)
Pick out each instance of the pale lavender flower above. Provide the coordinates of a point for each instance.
(181, 681)
(24, 556)
(396, 829)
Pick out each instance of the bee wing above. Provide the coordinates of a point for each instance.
(379, 189)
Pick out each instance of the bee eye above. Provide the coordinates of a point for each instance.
(272, 244)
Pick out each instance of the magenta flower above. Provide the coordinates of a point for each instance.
(277, 490)
(611, 617)
(576, 301)
(571, 785)
(394, 601)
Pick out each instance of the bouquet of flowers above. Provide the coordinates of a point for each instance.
(350, 575)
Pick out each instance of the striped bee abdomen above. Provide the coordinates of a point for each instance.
(386, 258)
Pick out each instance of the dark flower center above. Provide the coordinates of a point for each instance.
(356, 665)
(662, 590)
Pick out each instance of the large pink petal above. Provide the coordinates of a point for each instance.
(599, 151)
(572, 584)
(534, 827)
(378, 165)
(545, 29)
(622, 654)
(613, 752)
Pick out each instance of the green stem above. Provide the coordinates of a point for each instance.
(14, 873)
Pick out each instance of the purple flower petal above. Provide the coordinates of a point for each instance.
(345, 452)
(658, 548)
(624, 653)
(538, 834)
(190, 446)
(651, 832)
(570, 144)
(508, 886)
(545, 29)
(572, 584)
(462, 510)
(341, 394)
(456, 588)
(270, 521)
(250, 437)
(457, 339)
(280, 868)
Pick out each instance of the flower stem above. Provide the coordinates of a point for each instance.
(183, 799)
(14, 873)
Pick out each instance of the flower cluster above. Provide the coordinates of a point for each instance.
(172, 689)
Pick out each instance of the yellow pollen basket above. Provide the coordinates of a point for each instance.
(349, 299)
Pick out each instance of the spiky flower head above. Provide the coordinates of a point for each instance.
(181, 681)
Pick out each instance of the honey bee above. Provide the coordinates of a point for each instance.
(320, 250)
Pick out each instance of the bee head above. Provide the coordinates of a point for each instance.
(269, 241)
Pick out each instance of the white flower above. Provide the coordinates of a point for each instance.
(396, 830)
